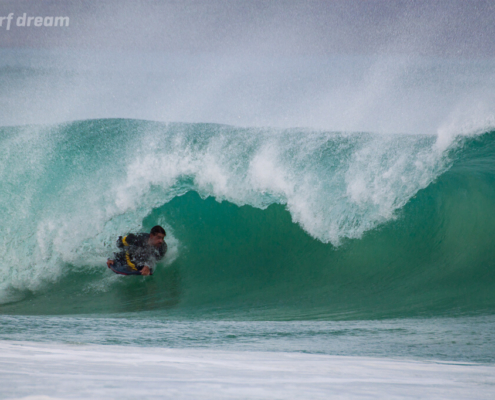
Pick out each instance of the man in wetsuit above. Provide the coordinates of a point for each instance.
(139, 252)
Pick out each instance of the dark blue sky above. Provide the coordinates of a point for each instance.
(439, 28)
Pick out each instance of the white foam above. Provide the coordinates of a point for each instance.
(88, 371)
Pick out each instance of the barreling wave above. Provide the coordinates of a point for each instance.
(262, 223)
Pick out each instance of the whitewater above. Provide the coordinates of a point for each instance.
(329, 217)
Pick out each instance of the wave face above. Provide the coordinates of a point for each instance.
(262, 223)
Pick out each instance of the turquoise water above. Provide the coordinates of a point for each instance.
(279, 240)
(458, 339)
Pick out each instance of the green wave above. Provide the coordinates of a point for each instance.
(434, 256)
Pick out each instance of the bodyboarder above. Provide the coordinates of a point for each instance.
(139, 252)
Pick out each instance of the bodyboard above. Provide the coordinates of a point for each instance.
(123, 269)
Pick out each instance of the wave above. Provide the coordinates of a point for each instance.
(263, 223)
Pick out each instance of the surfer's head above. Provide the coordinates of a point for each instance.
(157, 235)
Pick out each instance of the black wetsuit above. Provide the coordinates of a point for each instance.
(136, 253)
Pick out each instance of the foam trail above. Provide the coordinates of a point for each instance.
(189, 374)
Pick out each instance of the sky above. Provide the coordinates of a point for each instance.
(441, 28)
(374, 65)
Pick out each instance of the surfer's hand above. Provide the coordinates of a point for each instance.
(109, 262)
(145, 271)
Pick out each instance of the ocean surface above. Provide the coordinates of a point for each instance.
(325, 175)
(288, 249)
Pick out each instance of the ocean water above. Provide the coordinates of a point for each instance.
(301, 262)
(325, 172)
